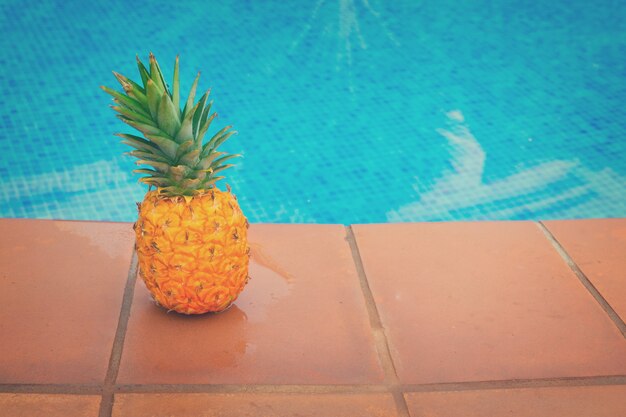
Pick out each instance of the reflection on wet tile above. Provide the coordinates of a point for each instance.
(301, 319)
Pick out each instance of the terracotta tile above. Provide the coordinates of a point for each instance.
(47, 405)
(598, 246)
(484, 301)
(600, 401)
(62, 285)
(266, 405)
(301, 319)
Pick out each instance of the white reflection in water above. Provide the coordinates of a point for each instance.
(348, 30)
(96, 190)
(530, 193)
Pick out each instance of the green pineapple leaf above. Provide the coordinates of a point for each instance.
(126, 101)
(143, 72)
(186, 128)
(192, 95)
(122, 79)
(221, 168)
(132, 115)
(217, 139)
(167, 116)
(167, 145)
(223, 159)
(205, 127)
(205, 162)
(172, 147)
(159, 166)
(190, 157)
(149, 156)
(154, 93)
(198, 113)
(156, 75)
(183, 148)
(176, 90)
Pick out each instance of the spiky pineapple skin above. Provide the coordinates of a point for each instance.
(193, 251)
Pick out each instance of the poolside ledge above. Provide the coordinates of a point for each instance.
(415, 319)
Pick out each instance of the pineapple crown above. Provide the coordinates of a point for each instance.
(180, 164)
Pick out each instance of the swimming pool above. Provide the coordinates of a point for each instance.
(348, 111)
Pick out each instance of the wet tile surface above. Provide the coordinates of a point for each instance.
(267, 405)
(300, 320)
(62, 285)
(598, 247)
(484, 301)
(460, 302)
(49, 405)
(605, 401)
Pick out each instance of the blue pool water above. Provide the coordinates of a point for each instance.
(348, 111)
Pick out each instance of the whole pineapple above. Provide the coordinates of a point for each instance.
(191, 237)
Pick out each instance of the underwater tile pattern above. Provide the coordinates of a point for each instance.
(451, 295)
(348, 111)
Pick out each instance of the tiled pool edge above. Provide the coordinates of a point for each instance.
(391, 386)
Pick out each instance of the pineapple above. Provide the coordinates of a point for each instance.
(191, 237)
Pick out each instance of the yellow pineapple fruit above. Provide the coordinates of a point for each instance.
(191, 237)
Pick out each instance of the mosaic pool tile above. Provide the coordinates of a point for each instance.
(348, 111)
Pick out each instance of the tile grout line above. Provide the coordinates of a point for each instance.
(600, 380)
(564, 382)
(378, 331)
(617, 320)
(106, 402)
(80, 389)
